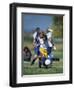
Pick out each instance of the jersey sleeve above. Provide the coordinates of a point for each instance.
(34, 35)
(49, 35)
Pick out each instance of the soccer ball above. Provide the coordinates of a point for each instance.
(47, 62)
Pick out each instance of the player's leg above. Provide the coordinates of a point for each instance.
(33, 60)
(36, 50)
(43, 62)
(40, 63)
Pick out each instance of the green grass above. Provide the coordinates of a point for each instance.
(57, 67)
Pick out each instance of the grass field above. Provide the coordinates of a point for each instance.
(57, 66)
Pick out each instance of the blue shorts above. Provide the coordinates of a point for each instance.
(49, 49)
(36, 49)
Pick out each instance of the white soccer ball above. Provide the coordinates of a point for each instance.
(47, 62)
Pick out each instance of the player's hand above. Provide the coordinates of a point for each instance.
(54, 48)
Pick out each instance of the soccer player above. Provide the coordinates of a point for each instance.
(50, 41)
(36, 44)
(50, 45)
(43, 49)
